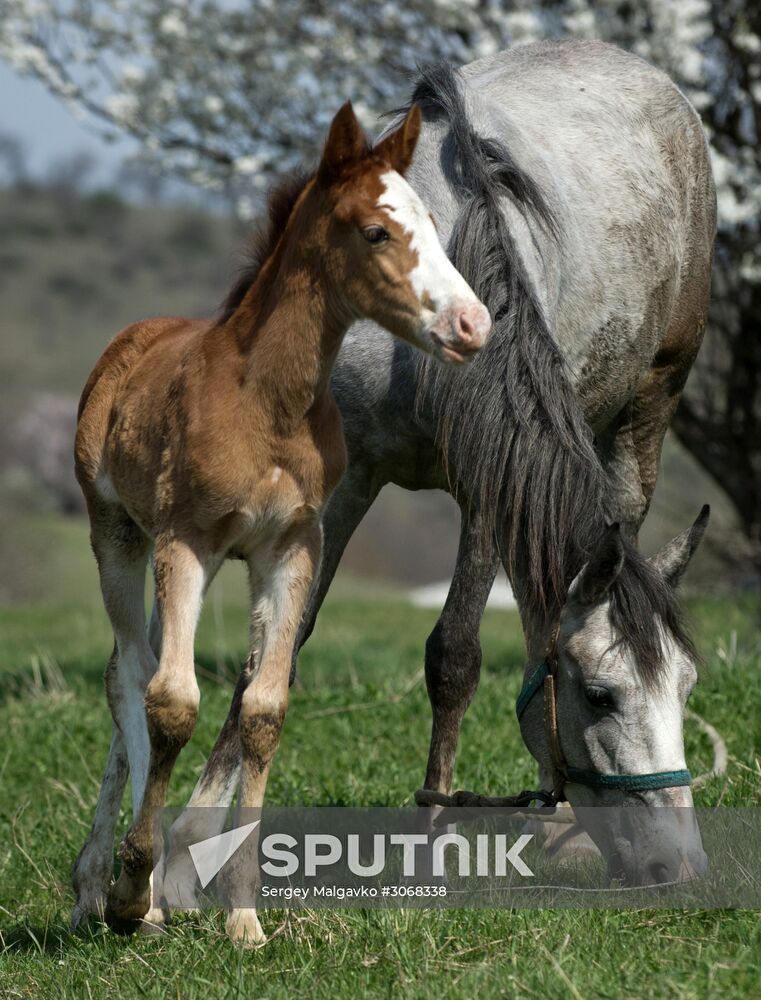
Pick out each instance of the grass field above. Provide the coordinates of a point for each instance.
(54, 732)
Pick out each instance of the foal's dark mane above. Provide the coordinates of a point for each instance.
(510, 427)
(280, 203)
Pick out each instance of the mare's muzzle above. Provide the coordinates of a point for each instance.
(644, 843)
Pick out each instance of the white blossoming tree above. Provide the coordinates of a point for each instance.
(226, 94)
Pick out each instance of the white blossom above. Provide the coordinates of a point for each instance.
(249, 164)
(172, 24)
(264, 104)
(213, 104)
(123, 107)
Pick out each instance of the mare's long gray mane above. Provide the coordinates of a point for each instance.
(534, 472)
(510, 427)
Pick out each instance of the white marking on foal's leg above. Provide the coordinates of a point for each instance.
(105, 488)
(132, 679)
(275, 616)
(171, 701)
(156, 918)
(121, 564)
(244, 929)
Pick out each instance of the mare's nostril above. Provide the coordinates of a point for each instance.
(658, 873)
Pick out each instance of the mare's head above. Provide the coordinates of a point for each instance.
(625, 669)
(379, 248)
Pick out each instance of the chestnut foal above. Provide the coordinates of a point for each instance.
(209, 440)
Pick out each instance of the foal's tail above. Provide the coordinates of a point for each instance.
(510, 426)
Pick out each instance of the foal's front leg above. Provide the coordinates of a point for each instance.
(263, 708)
(171, 705)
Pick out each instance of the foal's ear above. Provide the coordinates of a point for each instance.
(398, 148)
(345, 145)
(673, 559)
(599, 574)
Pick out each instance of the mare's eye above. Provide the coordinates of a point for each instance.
(599, 697)
(375, 234)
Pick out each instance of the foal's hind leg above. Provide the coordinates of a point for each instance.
(121, 551)
(91, 874)
(171, 707)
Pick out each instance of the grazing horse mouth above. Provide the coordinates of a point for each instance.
(673, 868)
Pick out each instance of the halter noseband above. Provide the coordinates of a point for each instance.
(546, 676)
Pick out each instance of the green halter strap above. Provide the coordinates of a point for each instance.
(545, 676)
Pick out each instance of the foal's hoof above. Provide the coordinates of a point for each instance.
(126, 909)
(244, 929)
(87, 910)
(154, 922)
(124, 922)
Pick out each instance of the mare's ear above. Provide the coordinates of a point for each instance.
(600, 572)
(345, 145)
(673, 559)
(398, 148)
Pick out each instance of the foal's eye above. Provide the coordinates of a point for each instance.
(599, 697)
(375, 234)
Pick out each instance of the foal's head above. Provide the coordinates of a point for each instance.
(379, 250)
(625, 669)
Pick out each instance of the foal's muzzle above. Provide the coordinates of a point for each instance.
(460, 331)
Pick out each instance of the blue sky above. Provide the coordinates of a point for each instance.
(48, 129)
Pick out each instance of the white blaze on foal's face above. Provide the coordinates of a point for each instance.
(453, 324)
(383, 257)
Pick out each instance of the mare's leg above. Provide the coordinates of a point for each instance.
(453, 649)
(171, 707)
(631, 448)
(121, 551)
(263, 706)
(634, 456)
(348, 504)
(658, 394)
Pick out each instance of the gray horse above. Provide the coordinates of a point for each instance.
(571, 183)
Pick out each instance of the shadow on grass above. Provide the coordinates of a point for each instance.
(49, 939)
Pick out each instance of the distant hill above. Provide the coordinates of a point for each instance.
(75, 269)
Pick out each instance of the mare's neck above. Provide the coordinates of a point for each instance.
(539, 626)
